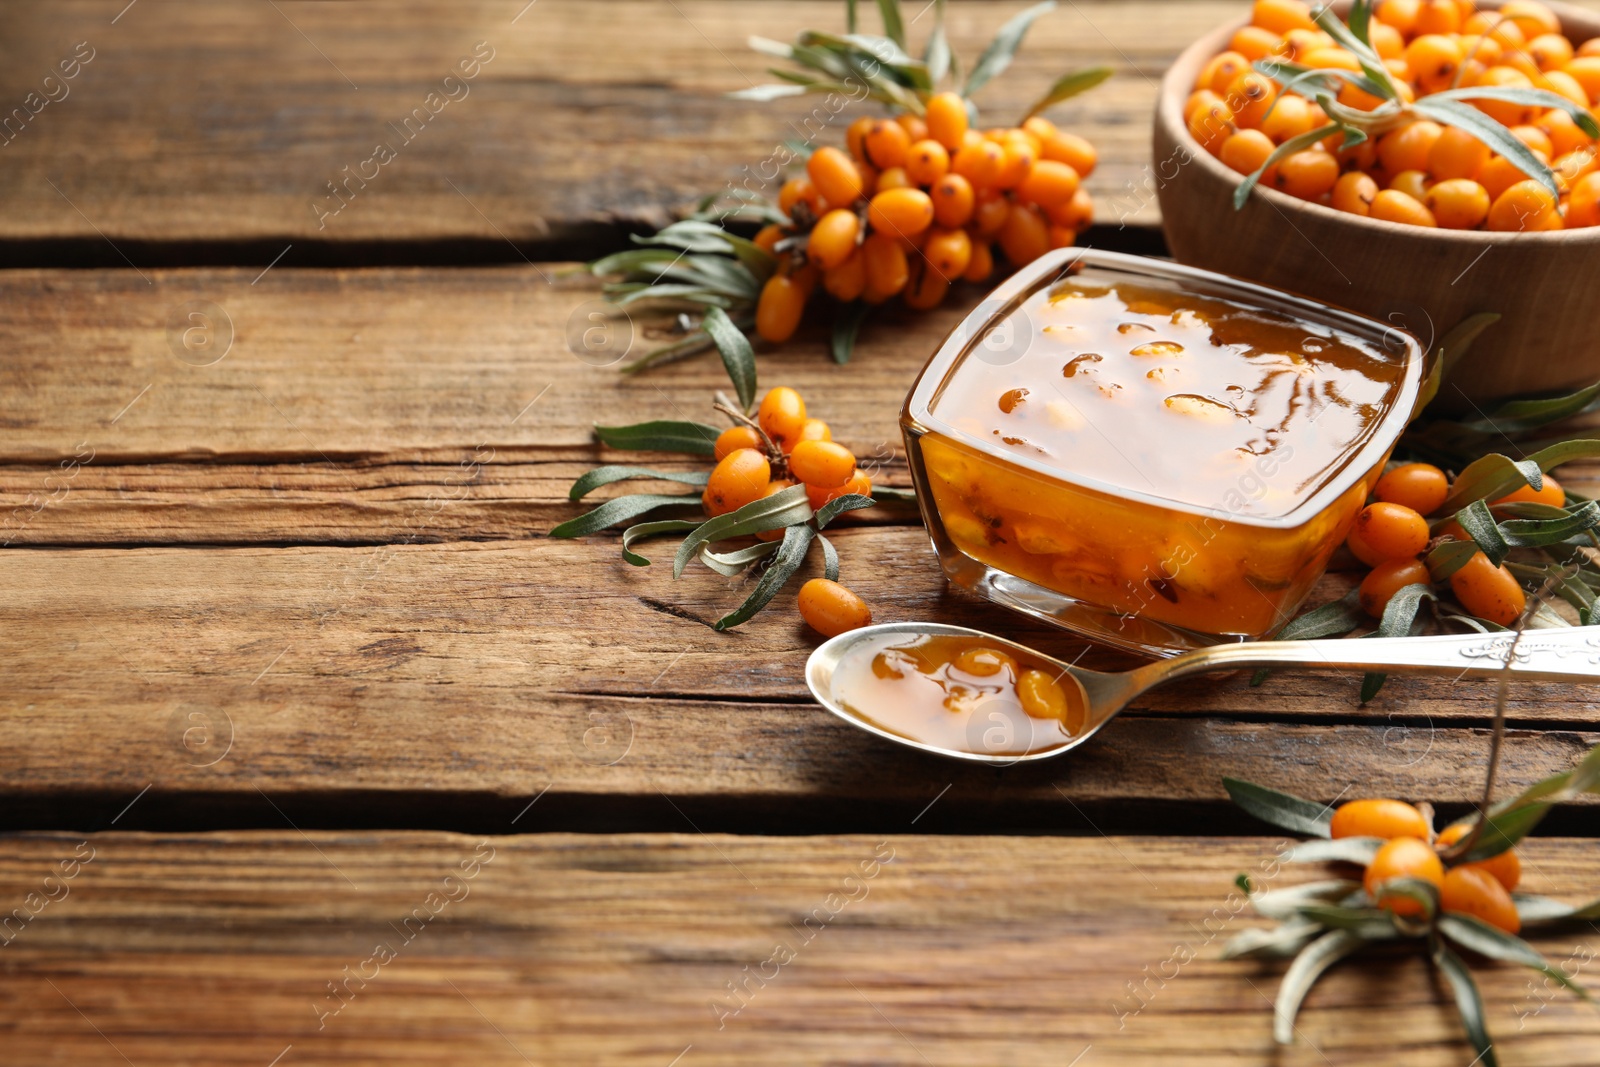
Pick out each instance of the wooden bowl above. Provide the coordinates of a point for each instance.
(1422, 280)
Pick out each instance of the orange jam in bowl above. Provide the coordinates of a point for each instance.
(1152, 455)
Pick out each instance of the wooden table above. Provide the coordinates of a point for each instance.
(350, 763)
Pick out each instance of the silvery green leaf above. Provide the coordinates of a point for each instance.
(620, 510)
(783, 508)
(1067, 86)
(729, 564)
(1346, 849)
(1469, 1002)
(838, 505)
(830, 559)
(1272, 942)
(650, 529)
(1303, 973)
(1466, 117)
(785, 562)
(695, 438)
(1241, 192)
(1283, 810)
(997, 57)
(592, 480)
(737, 355)
(1475, 934)
(1283, 904)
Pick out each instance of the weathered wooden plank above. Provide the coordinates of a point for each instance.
(372, 405)
(579, 112)
(392, 681)
(576, 949)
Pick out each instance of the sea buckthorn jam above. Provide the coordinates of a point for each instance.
(960, 694)
(1156, 442)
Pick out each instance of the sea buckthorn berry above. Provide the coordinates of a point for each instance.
(858, 485)
(831, 609)
(1331, 57)
(1585, 70)
(1256, 42)
(1246, 151)
(1414, 183)
(1076, 152)
(1422, 487)
(953, 198)
(1040, 127)
(1025, 236)
(777, 485)
(903, 212)
(887, 267)
(1198, 100)
(1250, 96)
(734, 438)
(825, 464)
(1020, 156)
(1549, 492)
(1281, 16)
(1062, 236)
(1456, 154)
(1298, 43)
(1402, 857)
(799, 190)
(985, 662)
(778, 311)
(1385, 531)
(1387, 819)
(1502, 31)
(1392, 205)
(836, 177)
(1583, 204)
(1387, 41)
(1438, 16)
(833, 238)
(1591, 47)
(1498, 175)
(927, 161)
(1506, 112)
(1289, 117)
(846, 281)
(926, 290)
(1468, 890)
(815, 430)
(981, 264)
(1489, 592)
(948, 252)
(1534, 138)
(1049, 183)
(782, 415)
(1505, 867)
(1308, 175)
(1550, 51)
(1211, 125)
(1531, 17)
(1354, 192)
(1458, 204)
(1564, 134)
(947, 120)
(1388, 578)
(893, 178)
(1076, 214)
(768, 236)
(981, 164)
(1485, 51)
(1219, 73)
(1409, 147)
(1522, 207)
(1401, 14)
(739, 478)
(915, 128)
(1434, 60)
(1043, 697)
(855, 136)
(887, 142)
(988, 213)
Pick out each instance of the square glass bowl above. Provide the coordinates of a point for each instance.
(1157, 457)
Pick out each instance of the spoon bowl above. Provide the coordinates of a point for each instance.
(1571, 654)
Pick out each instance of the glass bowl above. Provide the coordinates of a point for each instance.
(1157, 457)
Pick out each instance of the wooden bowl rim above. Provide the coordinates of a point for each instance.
(1169, 115)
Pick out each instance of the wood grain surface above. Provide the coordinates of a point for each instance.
(708, 949)
(225, 123)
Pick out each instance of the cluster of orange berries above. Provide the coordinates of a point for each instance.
(784, 448)
(1420, 173)
(1410, 850)
(1391, 534)
(921, 201)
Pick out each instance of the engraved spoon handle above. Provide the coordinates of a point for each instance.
(1553, 654)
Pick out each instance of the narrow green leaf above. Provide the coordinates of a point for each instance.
(594, 479)
(1491, 477)
(650, 529)
(1066, 87)
(1303, 973)
(1360, 20)
(620, 510)
(1448, 352)
(1447, 557)
(1241, 192)
(791, 553)
(936, 56)
(1330, 620)
(830, 559)
(846, 324)
(880, 493)
(1371, 62)
(1399, 615)
(1506, 829)
(737, 355)
(1283, 904)
(1273, 942)
(695, 438)
(1520, 416)
(690, 345)
(1497, 137)
(1346, 849)
(783, 508)
(729, 564)
(1424, 893)
(1369, 924)
(1540, 98)
(1283, 810)
(838, 505)
(762, 94)
(850, 16)
(997, 57)
(1475, 934)
(1541, 911)
(894, 26)
(1468, 1002)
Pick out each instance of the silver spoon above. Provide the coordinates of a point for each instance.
(1571, 654)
